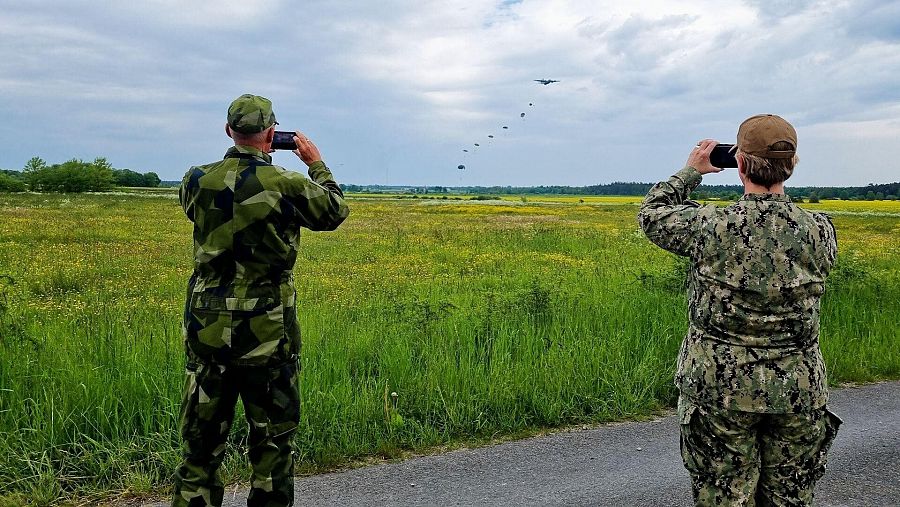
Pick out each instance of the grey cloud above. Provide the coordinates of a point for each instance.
(777, 10)
(147, 84)
(873, 20)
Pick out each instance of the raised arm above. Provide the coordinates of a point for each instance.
(667, 216)
(320, 202)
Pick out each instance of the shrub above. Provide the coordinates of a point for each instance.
(129, 178)
(11, 184)
(72, 176)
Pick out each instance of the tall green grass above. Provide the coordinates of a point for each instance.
(484, 320)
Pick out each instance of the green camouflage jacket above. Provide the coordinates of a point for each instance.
(758, 271)
(247, 215)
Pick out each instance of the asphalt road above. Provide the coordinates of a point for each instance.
(628, 464)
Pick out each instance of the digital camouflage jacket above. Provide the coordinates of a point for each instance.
(758, 269)
(247, 215)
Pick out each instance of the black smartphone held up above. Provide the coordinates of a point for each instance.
(283, 141)
(723, 156)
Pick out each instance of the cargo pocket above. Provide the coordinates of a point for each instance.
(831, 423)
(232, 328)
(284, 396)
(292, 333)
(686, 409)
(187, 418)
(688, 436)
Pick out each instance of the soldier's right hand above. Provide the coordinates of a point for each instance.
(699, 157)
(306, 150)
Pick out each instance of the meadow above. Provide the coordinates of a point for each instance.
(486, 318)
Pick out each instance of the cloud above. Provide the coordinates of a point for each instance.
(394, 90)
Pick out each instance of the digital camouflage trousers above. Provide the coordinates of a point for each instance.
(754, 459)
(271, 399)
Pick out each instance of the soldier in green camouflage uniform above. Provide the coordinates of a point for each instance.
(241, 332)
(753, 389)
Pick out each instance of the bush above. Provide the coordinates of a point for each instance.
(10, 183)
(72, 176)
(129, 178)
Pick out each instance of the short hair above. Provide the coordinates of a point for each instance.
(254, 138)
(769, 171)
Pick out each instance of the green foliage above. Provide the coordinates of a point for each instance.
(151, 179)
(34, 165)
(74, 176)
(129, 178)
(70, 177)
(10, 183)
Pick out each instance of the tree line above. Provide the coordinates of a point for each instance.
(73, 176)
(870, 192)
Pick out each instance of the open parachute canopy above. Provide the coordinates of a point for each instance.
(544, 82)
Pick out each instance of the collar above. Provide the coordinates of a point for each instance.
(241, 151)
(767, 197)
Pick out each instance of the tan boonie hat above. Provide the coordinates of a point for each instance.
(758, 133)
(249, 114)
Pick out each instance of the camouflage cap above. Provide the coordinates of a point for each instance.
(759, 133)
(249, 114)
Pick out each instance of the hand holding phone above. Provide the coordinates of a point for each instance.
(722, 156)
(699, 158)
(283, 141)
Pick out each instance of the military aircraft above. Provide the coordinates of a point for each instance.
(545, 82)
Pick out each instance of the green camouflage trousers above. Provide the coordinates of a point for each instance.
(753, 459)
(271, 398)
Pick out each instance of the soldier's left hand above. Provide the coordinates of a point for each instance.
(699, 157)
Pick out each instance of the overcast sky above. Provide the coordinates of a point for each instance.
(393, 91)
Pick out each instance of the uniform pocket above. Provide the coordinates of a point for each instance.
(207, 301)
(284, 392)
(686, 410)
(243, 329)
(831, 423)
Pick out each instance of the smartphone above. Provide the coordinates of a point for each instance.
(283, 141)
(723, 156)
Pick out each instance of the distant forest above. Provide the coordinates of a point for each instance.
(871, 192)
(73, 176)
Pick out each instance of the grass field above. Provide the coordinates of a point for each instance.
(486, 318)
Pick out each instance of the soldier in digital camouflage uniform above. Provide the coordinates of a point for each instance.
(755, 429)
(241, 332)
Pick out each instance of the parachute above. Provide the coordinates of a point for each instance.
(544, 82)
